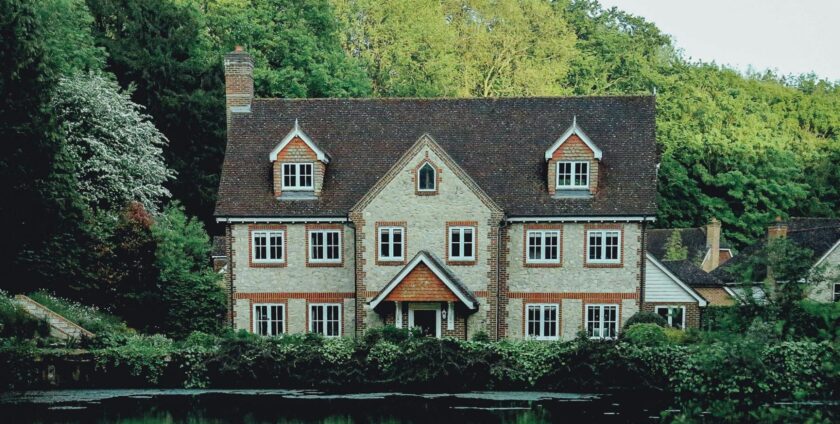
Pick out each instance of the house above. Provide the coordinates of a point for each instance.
(820, 236)
(519, 217)
(703, 245)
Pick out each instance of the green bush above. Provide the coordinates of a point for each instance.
(87, 317)
(645, 318)
(645, 335)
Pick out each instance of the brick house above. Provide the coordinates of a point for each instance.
(819, 236)
(519, 217)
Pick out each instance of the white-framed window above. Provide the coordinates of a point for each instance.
(461, 243)
(602, 321)
(543, 246)
(674, 315)
(542, 321)
(267, 246)
(325, 246)
(269, 319)
(837, 292)
(391, 243)
(604, 246)
(325, 319)
(297, 176)
(426, 180)
(573, 174)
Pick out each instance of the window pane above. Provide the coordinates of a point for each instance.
(306, 175)
(534, 246)
(397, 245)
(595, 246)
(260, 246)
(289, 175)
(427, 177)
(550, 321)
(384, 244)
(332, 245)
(317, 241)
(533, 321)
(455, 243)
(276, 244)
(581, 174)
(551, 246)
(663, 312)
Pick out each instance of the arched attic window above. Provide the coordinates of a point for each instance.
(426, 178)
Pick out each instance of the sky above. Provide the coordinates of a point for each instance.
(789, 36)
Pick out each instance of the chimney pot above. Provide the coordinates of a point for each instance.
(779, 229)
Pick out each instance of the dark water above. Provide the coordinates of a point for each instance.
(262, 406)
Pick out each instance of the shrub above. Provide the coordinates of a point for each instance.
(645, 318)
(676, 336)
(645, 334)
(481, 336)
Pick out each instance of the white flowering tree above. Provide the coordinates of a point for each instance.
(116, 151)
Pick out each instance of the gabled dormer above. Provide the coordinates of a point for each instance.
(298, 167)
(573, 162)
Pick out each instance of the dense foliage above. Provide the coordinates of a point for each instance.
(87, 317)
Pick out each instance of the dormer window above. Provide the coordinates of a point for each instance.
(426, 178)
(573, 175)
(297, 176)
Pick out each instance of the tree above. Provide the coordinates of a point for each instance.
(68, 40)
(408, 47)
(511, 47)
(674, 249)
(162, 48)
(296, 46)
(47, 222)
(116, 151)
(190, 290)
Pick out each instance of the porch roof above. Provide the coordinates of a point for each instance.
(439, 269)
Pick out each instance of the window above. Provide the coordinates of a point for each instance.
(604, 246)
(325, 319)
(675, 315)
(602, 321)
(573, 175)
(542, 321)
(543, 247)
(325, 246)
(426, 178)
(268, 319)
(267, 246)
(837, 292)
(391, 243)
(461, 243)
(297, 176)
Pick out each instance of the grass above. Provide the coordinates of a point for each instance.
(16, 322)
(87, 317)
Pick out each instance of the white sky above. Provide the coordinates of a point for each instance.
(789, 36)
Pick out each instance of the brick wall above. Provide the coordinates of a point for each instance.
(239, 81)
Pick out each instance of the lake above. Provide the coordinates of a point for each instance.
(301, 406)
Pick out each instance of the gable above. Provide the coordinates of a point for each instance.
(454, 186)
(302, 142)
(425, 281)
(661, 285)
(574, 138)
(421, 284)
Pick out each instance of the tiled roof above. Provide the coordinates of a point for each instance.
(691, 274)
(218, 248)
(693, 239)
(815, 234)
(500, 143)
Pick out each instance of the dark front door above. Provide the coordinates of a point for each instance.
(426, 320)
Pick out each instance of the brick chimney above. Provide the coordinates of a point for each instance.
(779, 229)
(239, 81)
(713, 245)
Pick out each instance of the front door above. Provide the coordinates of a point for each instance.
(426, 321)
(426, 317)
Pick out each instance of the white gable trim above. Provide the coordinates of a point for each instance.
(581, 219)
(297, 132)
(700, 301)
(827, 254)
(574, 129)
(421, 257)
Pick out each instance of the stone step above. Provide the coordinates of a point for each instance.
(61, 327)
